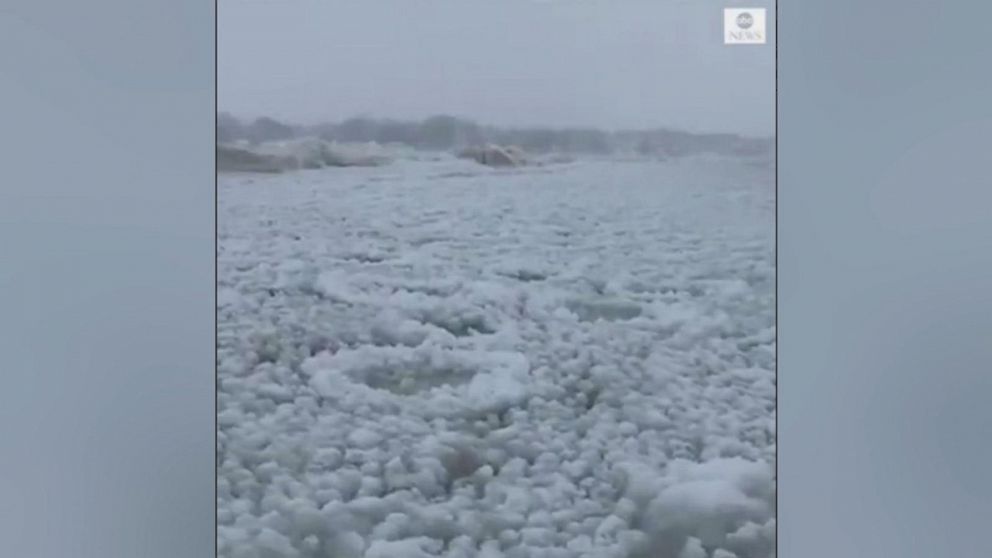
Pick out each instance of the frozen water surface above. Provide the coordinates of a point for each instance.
(434, 358)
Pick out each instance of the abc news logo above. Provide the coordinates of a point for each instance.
(744, 26)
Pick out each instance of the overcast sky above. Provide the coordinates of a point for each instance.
(604, 63)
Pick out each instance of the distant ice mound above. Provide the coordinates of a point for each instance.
(495, 155)
(242, 159)
(312, 153)
(299, 153)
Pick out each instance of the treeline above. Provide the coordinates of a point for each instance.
(449, 132)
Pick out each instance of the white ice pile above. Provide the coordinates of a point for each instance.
(300, 153)
(416, 361)
(495, 155)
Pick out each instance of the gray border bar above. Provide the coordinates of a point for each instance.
(107, 278)
(885, 314)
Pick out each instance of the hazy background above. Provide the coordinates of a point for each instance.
(597, 63)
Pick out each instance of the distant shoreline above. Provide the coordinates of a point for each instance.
(444, 132)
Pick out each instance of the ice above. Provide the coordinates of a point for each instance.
(227, 297)
(364, 438)
(299, 153)
(438, 359)
(693, 549)
(272, 543)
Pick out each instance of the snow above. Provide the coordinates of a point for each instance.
(437, 358)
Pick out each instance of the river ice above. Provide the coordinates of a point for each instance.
(434, 358)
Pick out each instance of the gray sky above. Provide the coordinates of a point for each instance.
(608, 64)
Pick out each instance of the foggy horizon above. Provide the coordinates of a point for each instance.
(630, 66)
(249, 118)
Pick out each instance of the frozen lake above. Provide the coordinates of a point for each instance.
(434, 358)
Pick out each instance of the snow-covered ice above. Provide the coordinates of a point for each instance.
(436, 358)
